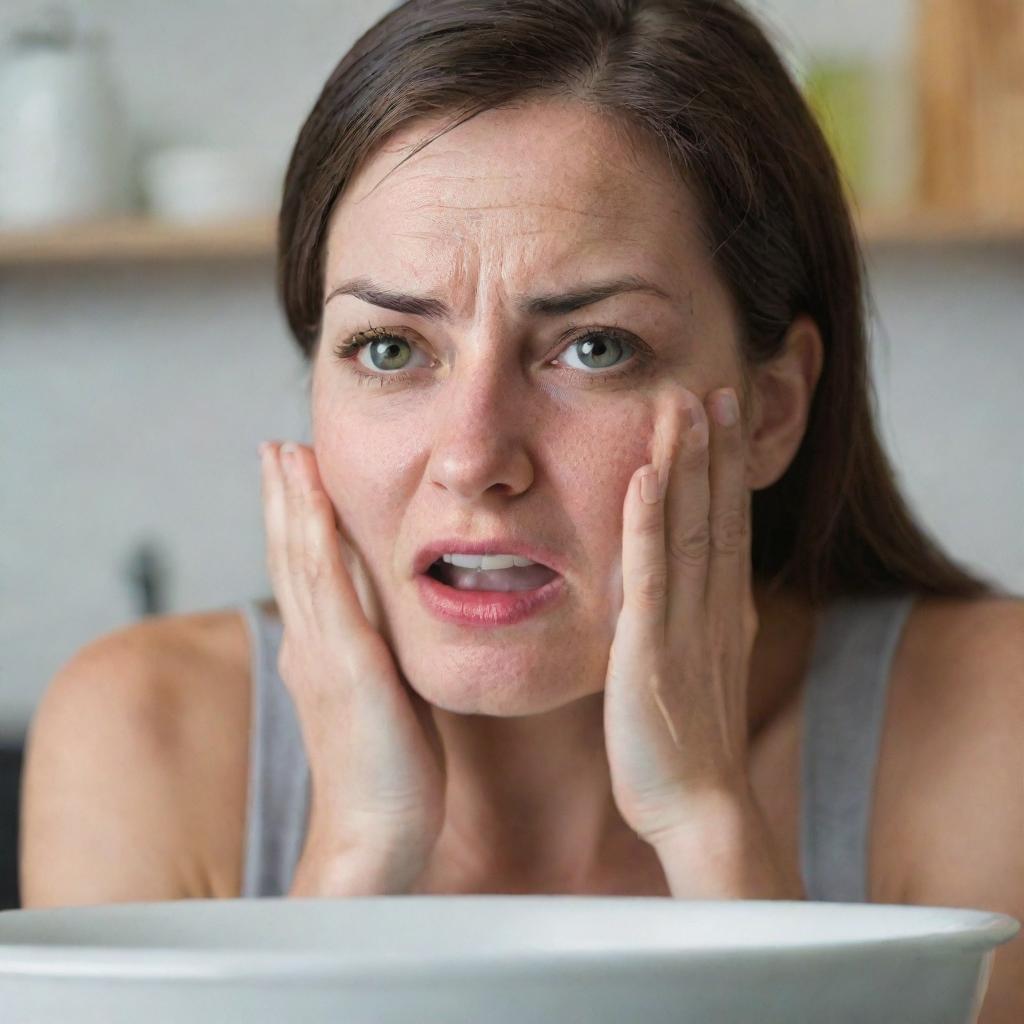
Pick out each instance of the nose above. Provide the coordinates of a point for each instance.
(482, 433)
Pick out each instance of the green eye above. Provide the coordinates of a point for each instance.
(385, 351)
(604, 349)
(601, 354)
(386, 354)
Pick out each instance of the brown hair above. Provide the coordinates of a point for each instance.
(699, 80)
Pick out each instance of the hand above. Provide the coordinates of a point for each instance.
(376, 761)
(675, 711)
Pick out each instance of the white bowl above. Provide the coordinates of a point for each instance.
(200, 184)
(497, 959)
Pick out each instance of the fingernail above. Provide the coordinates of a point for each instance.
(289, 462)
(262, 448)
(725, 408)
(650, 486)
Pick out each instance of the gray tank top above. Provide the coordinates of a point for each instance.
(844, 710)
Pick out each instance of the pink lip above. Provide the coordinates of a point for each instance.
(430, 553)
(485, 607)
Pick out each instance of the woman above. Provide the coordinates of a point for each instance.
(521, 246)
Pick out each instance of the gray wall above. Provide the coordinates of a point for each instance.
(132, 399)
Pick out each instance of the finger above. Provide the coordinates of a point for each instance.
(275, 519)
(687, 526)
(644, 565)
(644, 571)
(730, 527)
(295, 537)
(333, 601)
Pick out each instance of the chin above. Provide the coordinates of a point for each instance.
(515, 682)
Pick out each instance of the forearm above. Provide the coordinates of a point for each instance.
(724, 850)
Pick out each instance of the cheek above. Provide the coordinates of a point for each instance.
(592, 450)
(367, 444)
(363, 480)
(610, 444)
(596, 456)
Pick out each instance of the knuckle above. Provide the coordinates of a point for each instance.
(729, 530)
(650, 526)
(656, 682)
(690, 545)
(651, 587)
(696, 457)
(318, 502)
(313, 569)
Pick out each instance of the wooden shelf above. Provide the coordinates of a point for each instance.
(138, 239)
(135, 239)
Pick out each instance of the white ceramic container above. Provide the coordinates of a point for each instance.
(65, 151)
(198, 184)
(496, 960)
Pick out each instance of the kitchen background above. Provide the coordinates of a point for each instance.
(143, 356)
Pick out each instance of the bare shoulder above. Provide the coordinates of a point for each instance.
(961, 666)
(962, 661)
(167, 700)
(206, 678)
(964, 681)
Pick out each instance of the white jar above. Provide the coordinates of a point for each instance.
(65, 155)
(201, 183)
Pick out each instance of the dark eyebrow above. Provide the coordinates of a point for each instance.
(540, 305)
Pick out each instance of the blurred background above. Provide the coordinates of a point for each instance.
(143, 356)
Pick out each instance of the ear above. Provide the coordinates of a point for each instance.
(781, 394)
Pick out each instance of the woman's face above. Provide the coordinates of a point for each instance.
(497, 423)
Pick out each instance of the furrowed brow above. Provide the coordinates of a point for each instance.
(540, 305)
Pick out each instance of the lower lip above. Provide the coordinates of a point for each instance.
(485, 607)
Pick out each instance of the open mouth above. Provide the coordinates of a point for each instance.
(525, 577)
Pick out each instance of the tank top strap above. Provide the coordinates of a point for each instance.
(844, 712)
(277, 802)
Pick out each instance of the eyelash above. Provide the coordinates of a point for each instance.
(348, 349)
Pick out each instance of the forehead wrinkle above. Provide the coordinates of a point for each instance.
(605, 192)
(585, 247)
(449, 233)
(628, 230)
(516, 207)
(427, 182)
(602, 201)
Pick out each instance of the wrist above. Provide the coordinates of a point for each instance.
(352, 873)
(706, 819)
(727, 852)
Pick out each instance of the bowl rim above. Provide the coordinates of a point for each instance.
(967, 931)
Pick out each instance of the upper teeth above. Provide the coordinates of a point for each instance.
(487, 561)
